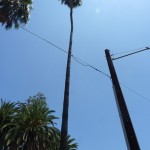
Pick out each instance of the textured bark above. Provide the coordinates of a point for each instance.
(64, 127)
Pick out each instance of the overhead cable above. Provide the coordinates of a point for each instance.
(146, 48)
(83, 63)
(78, 60)
(88, 65)
(136, 93)
(123, 52)
(43, 39)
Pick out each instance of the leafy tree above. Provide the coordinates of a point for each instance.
(33, 126)
(7, 110)
(64, 127)
(30, 126)
(14, 12)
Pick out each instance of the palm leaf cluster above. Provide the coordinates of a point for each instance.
(14, 12)
(72, 3)
(29, 126)
(7, 111)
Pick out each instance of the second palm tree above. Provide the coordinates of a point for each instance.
(64, 127)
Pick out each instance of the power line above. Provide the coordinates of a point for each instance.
(78, 60)
(88, 65)
(127, 51)
(85, 64)
(136, 93)
(131, 90)
(146, 48)
(44, 39)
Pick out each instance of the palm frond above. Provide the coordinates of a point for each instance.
(72, 3)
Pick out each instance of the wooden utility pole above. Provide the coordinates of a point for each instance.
(129, 133)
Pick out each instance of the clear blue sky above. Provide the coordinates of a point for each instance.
(29, 65)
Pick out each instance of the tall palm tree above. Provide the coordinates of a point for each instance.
(64, 127)
(14, 12)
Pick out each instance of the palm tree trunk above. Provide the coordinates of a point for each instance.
(64, 126)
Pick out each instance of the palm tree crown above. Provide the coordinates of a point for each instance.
(72, 3)
(30, 126)
(34, 127)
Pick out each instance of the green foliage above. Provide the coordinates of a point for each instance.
(14, 12)
(72, 3)
(33, 125)
(29, 126)
(71, 144)
(7, 112)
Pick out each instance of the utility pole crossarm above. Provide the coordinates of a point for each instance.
(129, 133)
(146, 48)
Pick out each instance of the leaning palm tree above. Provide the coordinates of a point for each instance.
(14, 12)
(64, 127)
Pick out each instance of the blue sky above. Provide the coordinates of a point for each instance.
(29, 65)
